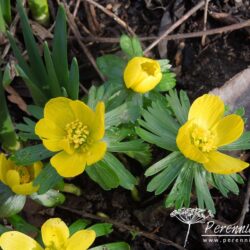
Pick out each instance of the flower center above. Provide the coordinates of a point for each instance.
(24, 174)
(203, 139)
(77, 133)
(149, 68)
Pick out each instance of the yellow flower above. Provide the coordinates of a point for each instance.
(75, 130)
(19, 178)
(142, 74)
(55, 236)
(206, 130)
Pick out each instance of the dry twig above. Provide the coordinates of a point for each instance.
(76, 7)
(174, 26)
(111, 14)
(203, 39)
(176, 36)
(117, 224)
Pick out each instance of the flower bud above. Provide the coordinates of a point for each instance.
(142, 74)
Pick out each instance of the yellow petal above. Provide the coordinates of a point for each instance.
(25, 189)
(98, 126)
(12, 178)
(69, 148)
(96, 152)
(228, 129)
(132, 73)
(220, 163)
(147, 84)
(51, 134)
(206, 110)
(14, 240)
(55, 233)
(58, 110)
(68, 165)
(82, 112)
(53, 145)
(81, 240)
(4, 167)
(47, 129)
(185, 145)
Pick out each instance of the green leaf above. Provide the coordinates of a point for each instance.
(144, 157)
(48, 178)
(161, 114)
(101, 229)
(243, 143)
(51, 198)
(5, 7)
(8, 137)
(22, 225)
(160, 141)
(225, 183)
(38, 96)
(238, 178)
(165, 65)
(116, 98)
(36, 62)
(158, 128)
(102, 174)
(73, 82)
(112, 67)
(179, 105)
(163, 180)
(79, 224)
(125, 113)
(29, 155)
(112, 246)
(54, 86)
(181, 191)
(4, 229)
(7, 78)
(167, 82)
(59, 52)
(127, 146)
(202, 191)
(163, 163)
(5, 192)
(36, 111)
(126, 179)
(2, 22)
(131, 46)
(18, 55)
(13, 205)
(27, 128)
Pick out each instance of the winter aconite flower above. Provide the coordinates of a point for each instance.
(206, 130)
(142, 74)
(55, 236)
(75, 130)
(19, 178)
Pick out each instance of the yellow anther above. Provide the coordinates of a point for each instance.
(203, 139)
(77, 133)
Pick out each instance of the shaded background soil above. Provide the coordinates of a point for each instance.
(198, 68)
